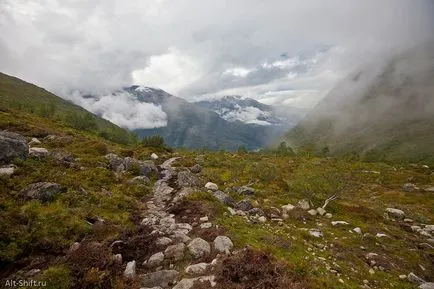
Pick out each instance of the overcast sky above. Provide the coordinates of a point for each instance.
(274, 51)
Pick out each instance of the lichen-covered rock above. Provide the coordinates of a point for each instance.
(12, 145)
(175, 252)
(245, 190)
(199, 247)
(7, 170)
(44, 192)
(130, 270)
(399, 214)
(211, 186)
(38, 152)
(303, 204)
(223, 244)
(187, 179)
(162, 278)
(223, 198)
(196, 169)
(244, 205)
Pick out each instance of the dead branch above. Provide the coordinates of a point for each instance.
(332, 198)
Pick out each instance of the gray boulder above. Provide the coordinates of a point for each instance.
(196, 169)
(187, 179)
(175, 252)
(162, 278)
(130, 270)
(199, 247)
(12, 145)
(44, 192)
(223, 198)
(244, 205)
(223, 244)
(427, 285)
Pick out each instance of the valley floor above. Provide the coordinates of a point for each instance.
(104, 215)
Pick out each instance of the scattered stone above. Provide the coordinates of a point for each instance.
(140, 180)
(206, 225)
(245, 190)
(175, 252)
(44, 192)
(197, 269)
(211, 186)
(408, 187)
(334, 223)
(130, 270)
(117, 259)
(184, 227)
(12, 145)
(262, 219)
(425, 246)
(315, 233)
(154, 156)
(303, 204)
(74, 247)
(312, 212)
(223, 244)
(416, 228)
(399, 214)
(38, 152)
(232, 211)
(155, 260)
(196, 169)
(223, 198)
(429, 228)
(358, 230)
(371, 271)
(287, 208)
(414, 279)
(204, 219)
(425, 233)
(427, 285)
(185, 284)
(244, 205)
(34, 141)
(429, 189)
(321, 211)
(381, 235)
(408, 220)
(403, 277)
(371, 255)
(187, 179)
(162, 278)
(199, 247)
(328, 216)
(7, 170)
(179, 236)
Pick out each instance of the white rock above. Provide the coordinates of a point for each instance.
(7, 170)
(262, 219)
(117, 258)
(414, 279)
(34, 141)
(223, 244)
(381, 235)
(328, 216)
(315, 233)
(211, 186)
(155, 260)
(416, 228)
(204, 219)
(206, 225)
(196, 269)
(287, 208)
(395, 213)
(425, 233)
(312, 212)
(154, 156)
(371, 271)
(163, 241)
(321, 211)
(427, 285)
(38, 152)
(371, 255)
(232, 211)
(429, 228)
(408, 220)
(130, 270)
(357, 230)
(334, 223)
(303, 204)
(403, 277)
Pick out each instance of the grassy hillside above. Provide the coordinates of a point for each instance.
(383, 112)
(18, 95)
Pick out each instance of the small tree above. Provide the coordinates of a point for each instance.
(155, 141)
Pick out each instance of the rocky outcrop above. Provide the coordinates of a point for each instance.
(12, 145)
(119, 164)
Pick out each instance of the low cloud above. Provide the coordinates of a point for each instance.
(124, 110)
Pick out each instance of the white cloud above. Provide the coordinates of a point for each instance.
(247, 114)
(124, 110)
(170, 71)
(238, 71)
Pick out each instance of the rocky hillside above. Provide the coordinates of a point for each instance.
(80, 211)
(381, 112)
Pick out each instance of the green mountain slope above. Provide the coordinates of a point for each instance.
(18, 95)
(383, 112)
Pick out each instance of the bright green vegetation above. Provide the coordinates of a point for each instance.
(17, 95)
